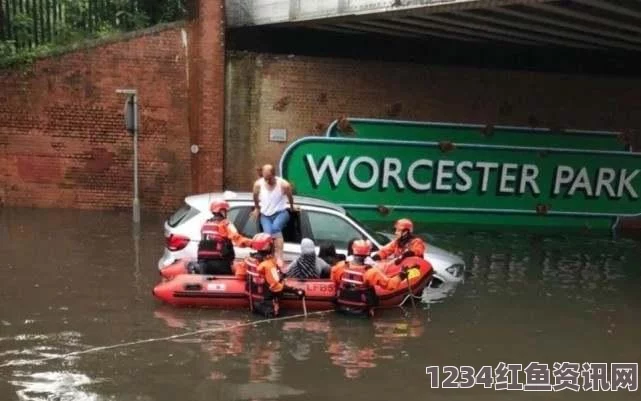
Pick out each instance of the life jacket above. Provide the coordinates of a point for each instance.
(405, 244)
(214, 242)
(353, 292)
(353, 277)
(259, 285)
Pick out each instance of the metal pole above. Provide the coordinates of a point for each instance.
(136, 233)
(132, 94)
(136, 205)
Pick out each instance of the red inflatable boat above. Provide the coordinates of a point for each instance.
(179, 267)
(226, 291)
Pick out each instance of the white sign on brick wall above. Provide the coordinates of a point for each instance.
(278, 135)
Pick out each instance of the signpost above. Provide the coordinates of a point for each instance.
(468, 183)
(131, 123)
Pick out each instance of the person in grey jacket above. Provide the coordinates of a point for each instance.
(308, 265)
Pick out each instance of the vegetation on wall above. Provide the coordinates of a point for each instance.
(29, 28)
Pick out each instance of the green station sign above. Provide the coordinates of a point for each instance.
(474, 182)
(364, 128)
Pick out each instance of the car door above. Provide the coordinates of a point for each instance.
(329, 228)
(239, 215)
(292, 236)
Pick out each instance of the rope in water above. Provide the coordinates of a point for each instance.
(172, 337)
(191, 333)
(408, 296)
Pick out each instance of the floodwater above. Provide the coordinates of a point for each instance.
(74, 281)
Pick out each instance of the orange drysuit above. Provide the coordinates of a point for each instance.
(264, 270)
(397, 250)
(361, 276)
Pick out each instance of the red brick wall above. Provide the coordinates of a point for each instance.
(304, 94)
(62, 137)
(207, 95)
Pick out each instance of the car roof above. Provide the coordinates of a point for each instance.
(202, 201)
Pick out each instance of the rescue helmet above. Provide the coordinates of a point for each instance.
(262, 242)
(361, 248)
(404, 224)
(218, 206)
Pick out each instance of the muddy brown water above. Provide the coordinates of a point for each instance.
(73, 281)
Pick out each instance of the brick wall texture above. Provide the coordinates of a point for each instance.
(207, 95)
(304, 94)
(63, 143)
(62, 136)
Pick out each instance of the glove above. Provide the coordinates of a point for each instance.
(376, 257)
(299, 293)
(408, 254)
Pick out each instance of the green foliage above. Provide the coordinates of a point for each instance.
(9, 57)
(23, 27)
(81, 20)
(163, 10)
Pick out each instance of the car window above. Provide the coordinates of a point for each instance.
(382, 239)
(249, 227)
(233, 215)
(331, 229)
(184, 213)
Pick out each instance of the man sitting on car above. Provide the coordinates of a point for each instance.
(218, 237)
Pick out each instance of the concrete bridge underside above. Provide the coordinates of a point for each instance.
(587, 25)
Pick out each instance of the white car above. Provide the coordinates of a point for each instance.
(321, 221)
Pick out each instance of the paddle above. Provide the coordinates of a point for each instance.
(251, 300)
(409, 289)
(301, 294)
(304, 306)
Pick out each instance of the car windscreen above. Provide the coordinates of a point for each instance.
(380, 238)
(181, 215)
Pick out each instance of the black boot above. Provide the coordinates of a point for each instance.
(265, 309)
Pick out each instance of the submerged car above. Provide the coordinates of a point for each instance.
(321, 221)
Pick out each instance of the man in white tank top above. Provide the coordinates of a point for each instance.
(271, 194)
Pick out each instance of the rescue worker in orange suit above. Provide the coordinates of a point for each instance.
(404, 246)
(218, 237)
(265, 279)
(355, 281)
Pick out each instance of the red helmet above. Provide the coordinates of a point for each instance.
(361, 248)
(262, 242)
(217, 206)
(404, 224)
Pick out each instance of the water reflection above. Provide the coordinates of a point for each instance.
(356, 348)
(507, 261)
(29, 353)
(34, 349)
(62, 386)
(353, 345)
(525, 297)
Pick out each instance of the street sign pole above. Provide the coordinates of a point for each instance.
(131, 122)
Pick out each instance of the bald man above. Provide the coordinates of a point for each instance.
(271, 194)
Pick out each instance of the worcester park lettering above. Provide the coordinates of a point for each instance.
(449, 175)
